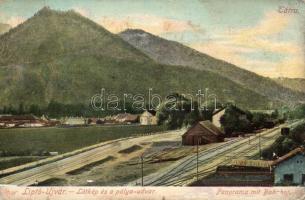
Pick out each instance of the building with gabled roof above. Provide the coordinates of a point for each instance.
(126, 118)
(290, 168)
(204, 132)
(21, 121)
(148, 118)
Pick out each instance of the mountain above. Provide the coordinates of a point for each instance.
(173, 53)
(297, 84)
(50, 34)
(63, 56)
(4, 28)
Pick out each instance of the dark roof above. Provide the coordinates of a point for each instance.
(207, 125)
(153, 112)
(218, 110)
(210, 126)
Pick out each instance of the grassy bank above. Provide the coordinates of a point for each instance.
(8, 162)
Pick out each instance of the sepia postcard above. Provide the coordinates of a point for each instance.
(152, 99)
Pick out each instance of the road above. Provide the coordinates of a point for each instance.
(184, 171)
(60, 167)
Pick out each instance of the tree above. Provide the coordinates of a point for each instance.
(35, 109)
(21, 109)
(286, 143)
(259, 120)
(179, 113)
(275, 114)
(56, 109)
(4, 110)
(11, 110)
(236, 120)
(298, 112)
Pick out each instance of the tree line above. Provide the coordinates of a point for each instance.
(57, 109)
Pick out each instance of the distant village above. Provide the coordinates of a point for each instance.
(275, 171)
(32, 121)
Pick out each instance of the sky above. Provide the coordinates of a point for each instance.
(266, 37)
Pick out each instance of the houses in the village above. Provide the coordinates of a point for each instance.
(126, 118)
(148, 118)
(10, 121)
(96, 121)
(286, 170)
(73, 121)
(203, 132)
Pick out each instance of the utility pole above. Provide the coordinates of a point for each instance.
(142, 170)
(259, 144)
(197, 156)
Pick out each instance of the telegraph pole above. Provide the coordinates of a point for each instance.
(197, 156)
(259, 145)
(142, 170)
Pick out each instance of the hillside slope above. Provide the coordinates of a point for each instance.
(173, 53)
(297, 84)
(65, 57)
(4, 28)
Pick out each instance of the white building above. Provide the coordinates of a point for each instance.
(148, 119)
(73, 121)
(290, 168)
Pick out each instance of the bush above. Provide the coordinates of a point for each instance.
(284, 144)
(183, 114)
(236, 120)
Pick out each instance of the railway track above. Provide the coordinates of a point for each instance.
(175, 176)
(62, 166)
(212, 168)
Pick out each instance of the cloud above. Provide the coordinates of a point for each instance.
(15, 20)
(265, 36)
(84, 12)
(293, 67)
(261, 36)
(153, 24)
(272, 23)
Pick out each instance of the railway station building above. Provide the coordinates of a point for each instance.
(203, 132)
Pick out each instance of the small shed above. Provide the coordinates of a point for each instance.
(203, 132)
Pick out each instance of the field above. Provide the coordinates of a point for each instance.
(36, 141)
